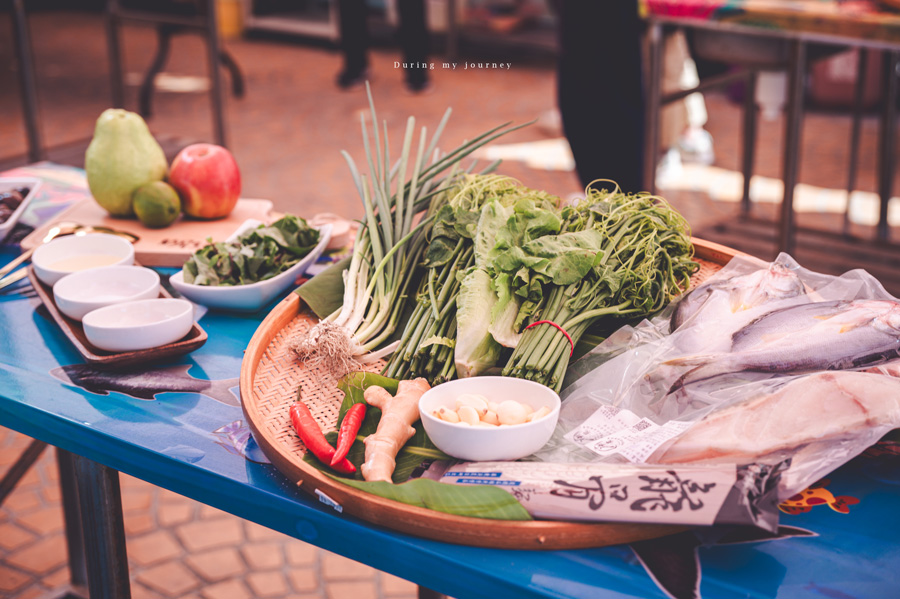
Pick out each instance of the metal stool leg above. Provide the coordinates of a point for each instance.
(792, 136)
(749, 138)
(861, 65)
(100, 500)
(215, 77)
(27, 82)
(164, 43)
(115, 53)
(887, 143)
(237, 78)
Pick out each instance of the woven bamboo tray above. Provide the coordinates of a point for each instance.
(270, 376)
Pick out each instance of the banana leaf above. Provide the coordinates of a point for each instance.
(476, 502)
(324, 293)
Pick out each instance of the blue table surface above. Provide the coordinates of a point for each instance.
(179, 426)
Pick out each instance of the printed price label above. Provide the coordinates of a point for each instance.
(612, 430)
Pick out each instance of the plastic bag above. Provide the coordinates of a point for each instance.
(640, 389)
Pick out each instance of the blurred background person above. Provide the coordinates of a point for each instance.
(412, 34)
(600, 89)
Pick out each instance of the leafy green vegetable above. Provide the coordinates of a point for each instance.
(257, 255)
(476, 502)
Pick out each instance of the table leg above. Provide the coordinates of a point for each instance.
(654, 103)
(100, 501)
(426, 593)
(20, 468)
(792, 136)
(65, 463)
(887, 142)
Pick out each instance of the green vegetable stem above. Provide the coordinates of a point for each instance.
(642, 262)
(399, 213)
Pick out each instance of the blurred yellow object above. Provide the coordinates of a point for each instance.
(231, 25)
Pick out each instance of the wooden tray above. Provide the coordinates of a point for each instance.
(169, 246)
(270, 377)
(94, 355)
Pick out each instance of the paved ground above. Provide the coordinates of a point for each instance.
(286, 134)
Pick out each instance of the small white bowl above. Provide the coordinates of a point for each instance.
(475, 443)
(9, 183)
(65, 255)
(254, 296)
(81, 292)
(139, 325)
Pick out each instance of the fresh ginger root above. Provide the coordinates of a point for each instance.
(398, 414)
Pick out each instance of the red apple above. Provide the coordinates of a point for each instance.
(207, 179)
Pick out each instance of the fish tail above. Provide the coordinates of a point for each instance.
(842, 503)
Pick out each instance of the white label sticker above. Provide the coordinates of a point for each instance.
(612, 430)
(329, 501)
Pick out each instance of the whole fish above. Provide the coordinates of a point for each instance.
(833, 335)
(741, 292)
(146, 383)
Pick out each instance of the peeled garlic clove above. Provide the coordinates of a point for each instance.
(538, 414)
(528, 409)
(493, 406)
(511, 412)
(490, 417)
(446, 414)
(468, 414)
(478, 402)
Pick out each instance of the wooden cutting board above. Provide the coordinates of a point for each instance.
(170, 246)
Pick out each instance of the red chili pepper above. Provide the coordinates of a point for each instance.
(353, 419)
(311, 435)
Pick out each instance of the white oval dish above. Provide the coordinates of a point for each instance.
(87, 290)
(65, 255)
(254, 296)
(8, 183)
(137, 325)
(475, 443)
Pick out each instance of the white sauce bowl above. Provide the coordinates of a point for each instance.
(139, 325)
(81, 292)
(72, 253)
(490, 443)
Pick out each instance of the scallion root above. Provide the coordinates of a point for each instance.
(328, 346)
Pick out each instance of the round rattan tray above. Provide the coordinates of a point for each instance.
(270, 376)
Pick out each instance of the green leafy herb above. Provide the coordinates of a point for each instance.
(256, 255)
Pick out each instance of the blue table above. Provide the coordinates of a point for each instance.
(184, 431)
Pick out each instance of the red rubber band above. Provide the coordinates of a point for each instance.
(561, 330)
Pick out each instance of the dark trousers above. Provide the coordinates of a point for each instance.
(412, 32)
(600, 89)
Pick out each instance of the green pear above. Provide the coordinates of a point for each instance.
(122, 156)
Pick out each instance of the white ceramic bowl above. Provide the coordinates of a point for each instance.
(83, 291)
(72, 253)
(252, 297)
(490, 443)
(8, 183)
(139, 325)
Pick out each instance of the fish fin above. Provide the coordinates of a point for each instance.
(752, 534)
(842, 503)
(673, 564)
(221, 391)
